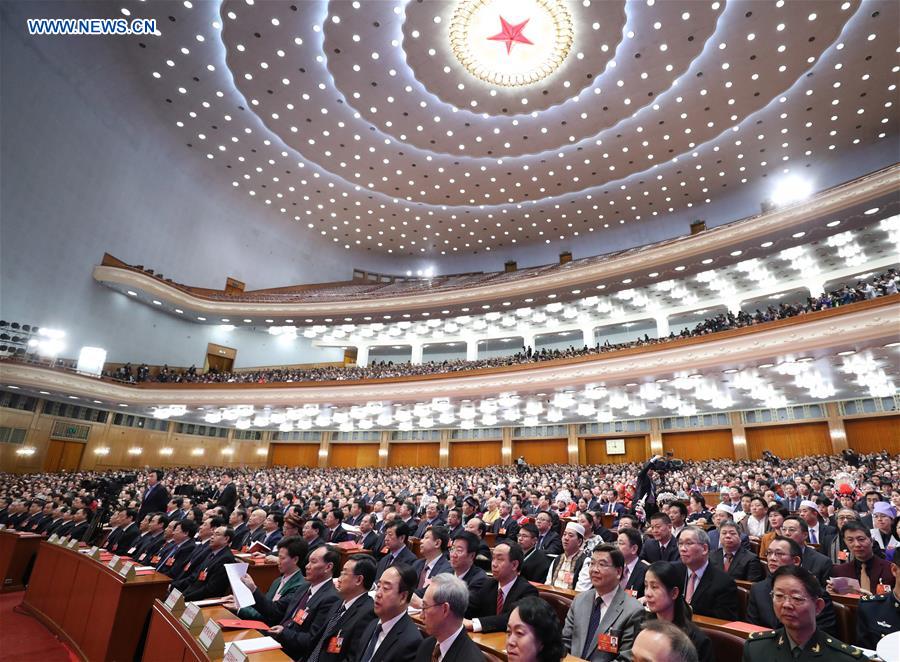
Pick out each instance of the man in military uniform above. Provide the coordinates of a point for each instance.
(878, 615)
(796, 601)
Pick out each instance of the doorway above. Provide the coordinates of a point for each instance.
(63, 456)
(219, 358)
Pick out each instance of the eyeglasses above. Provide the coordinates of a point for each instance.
(686, 543)
(794, 598)
(774, 552)
(601, 565)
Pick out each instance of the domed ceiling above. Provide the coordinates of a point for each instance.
(432, 128)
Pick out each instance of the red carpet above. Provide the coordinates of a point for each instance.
(24, 638)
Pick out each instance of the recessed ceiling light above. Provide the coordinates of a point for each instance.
(201, 319)
(179, 311)
(869, 212)
(247, 321)
(44, 392)
(833, 224)
(766, 244)
(157, 303)
(798, 235)
(132, 293)
(765, 365)
(730, 371)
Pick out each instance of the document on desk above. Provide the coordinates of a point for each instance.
(243, 597)
(258, 645)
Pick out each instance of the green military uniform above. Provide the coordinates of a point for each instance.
(876, 616)
(776, 647)
(291, 586)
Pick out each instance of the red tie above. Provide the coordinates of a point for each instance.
(499, 600)
(728, 558)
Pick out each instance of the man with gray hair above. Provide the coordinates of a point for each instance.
(707, 589)
(737, 562)
(443, 609)
(661, 641)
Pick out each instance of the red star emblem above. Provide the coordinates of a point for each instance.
(511, 33)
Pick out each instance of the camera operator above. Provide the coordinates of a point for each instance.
(156, 497)
(646, 487)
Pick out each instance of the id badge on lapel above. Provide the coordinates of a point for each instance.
(299, 617)
(608, 642)
(335, 644)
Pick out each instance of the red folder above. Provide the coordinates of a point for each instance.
(746, 627)
(237, 623)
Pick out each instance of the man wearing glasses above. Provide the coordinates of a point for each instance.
(783, 552)
(707, 589)
(797, 601)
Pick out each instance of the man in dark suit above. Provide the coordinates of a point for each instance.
(536, 563)
(334, 532)
(443, 611)
(238, 521)
(396, 534)
(731, 557)
(502, 591)
(707, 589)
(431, 518)
(156, 497)
(818, 564)
(306, 616)
(272, 529)
(505, 526)
(454, 522)
(173, 559)
(226, 494)
(368, 537)
(663, 546)
(462, 558)
(154, 540)
(818, 532)
(783, 551)
(81, 523)
(205, 531)
(357, 512)
(868, 569)
(392, 636)
(791, 500)
(123, 537)
(433, 562)
(341, 637)
(548, 539)
(208, 578)
(174, 510)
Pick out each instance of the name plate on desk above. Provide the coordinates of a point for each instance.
(211, 639)
(72, 544)
(2, 527)
(234, 654)
(114, 562)
(127, 571)
(174, 602)
(53, 539)
(94, 553)
(192, 618)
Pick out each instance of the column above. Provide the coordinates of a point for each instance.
(528, 341)
(472, 349)
(444, 452)
(816, 287)
(323, 448)
(362, 356)
(384, 448)
(587, 335)
(836, 427)
(417, 349)
(734, 306)
(662, 326)
(572, 430)
(656, 444)
(738, 436)
(506, 445)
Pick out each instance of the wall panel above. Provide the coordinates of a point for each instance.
(699, 444)
(541, 451)
(353, 455)
(406, 454)
(294, 455)
(789, 440)
(637, 450)
(475, 453)
(873, 435)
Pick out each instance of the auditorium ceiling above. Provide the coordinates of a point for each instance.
(442, 128)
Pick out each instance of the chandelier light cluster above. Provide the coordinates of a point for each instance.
(508, 57)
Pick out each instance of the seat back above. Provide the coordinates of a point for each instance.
(726, 646)
(560, 604)
(743, 596)
(846, 624)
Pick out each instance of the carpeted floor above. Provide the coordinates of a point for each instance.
(24, 639)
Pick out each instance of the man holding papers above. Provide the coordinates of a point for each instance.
(208, 579)
(291, 552)
(302, 619)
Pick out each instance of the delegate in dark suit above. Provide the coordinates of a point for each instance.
(535, 566)
(209, 580)
(505, 527)
(476, 579)
(653, 551)
(714, 543)
(399, 644)
(405, 556)
(623, 615)
(172, 561)
(635, 581)
(369, 541)
(155, 500)
(550, 543)
(818, 564)
(338, 535)
(226, 497)
(298, 639)
(122, 540)
(715, 595)
(345, 634)
(485, 607)
(744, 565)
(761, 612)
(462, 650)
(440, 566)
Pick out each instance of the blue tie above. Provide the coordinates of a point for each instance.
(370, 647)
(592, 629)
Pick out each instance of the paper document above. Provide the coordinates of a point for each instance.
(209, 602)
(259, 547)
(256, 645)
(243, 597)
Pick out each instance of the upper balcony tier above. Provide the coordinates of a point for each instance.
(853, 205)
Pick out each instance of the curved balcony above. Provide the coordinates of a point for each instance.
(676, 258)
(787, 358)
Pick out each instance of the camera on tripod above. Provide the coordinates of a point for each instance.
(108, 487)
(668, 463)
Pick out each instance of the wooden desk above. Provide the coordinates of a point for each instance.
(94, 610)
(262, 574)
(16, 550)
(347, 552)
(721, 625)
(168, 640)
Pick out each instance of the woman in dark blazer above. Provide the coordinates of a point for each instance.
(662, 590)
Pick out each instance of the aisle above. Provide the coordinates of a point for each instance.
(24, 638)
